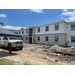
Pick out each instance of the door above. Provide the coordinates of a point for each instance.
(30, 39)
(3, 41)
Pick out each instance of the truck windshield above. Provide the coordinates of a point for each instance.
(12, 38)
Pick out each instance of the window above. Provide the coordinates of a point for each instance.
(22, 31)
(46, 38)
(19, 32)
(56, 38)
(27, 31)
(56, 27)
(47, 28)
(12, 38)
(26, 38)
(22, 38)
(73, 39)
(73, 27)
(38, 29)
(38, 38)
(5, 38)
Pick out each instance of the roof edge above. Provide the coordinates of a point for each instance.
(52, 23)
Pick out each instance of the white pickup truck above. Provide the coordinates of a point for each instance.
(11, 42)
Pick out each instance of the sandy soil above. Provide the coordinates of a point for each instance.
(28, 57)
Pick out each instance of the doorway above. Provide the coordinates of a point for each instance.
(30, 32)
(30, 39)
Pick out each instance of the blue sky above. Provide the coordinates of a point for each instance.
(17, 18)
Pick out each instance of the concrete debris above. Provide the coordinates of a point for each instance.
(56, 60)
(58, 54)
(32, 50)
(46, 47)
(64, 51)
(45, 50)
(44, 57)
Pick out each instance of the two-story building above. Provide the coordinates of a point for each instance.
(58, 33)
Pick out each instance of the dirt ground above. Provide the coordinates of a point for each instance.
(32, 54)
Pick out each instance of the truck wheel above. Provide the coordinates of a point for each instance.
(9, 48)
(20, 48)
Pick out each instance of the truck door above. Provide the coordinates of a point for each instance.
(2, 41)
(5, 39)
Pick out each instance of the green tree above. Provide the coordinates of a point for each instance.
(2, 24)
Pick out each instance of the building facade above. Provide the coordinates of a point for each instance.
(58, 33)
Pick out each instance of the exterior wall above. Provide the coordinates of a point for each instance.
(33, 37)
(23, 33)
(64, 33)
(24, 39)
(69, 34)
(62, 39)
(62, 29)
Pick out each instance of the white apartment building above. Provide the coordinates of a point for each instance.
(58, 33)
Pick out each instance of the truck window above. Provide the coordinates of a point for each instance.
(12, 38)
(5, 38)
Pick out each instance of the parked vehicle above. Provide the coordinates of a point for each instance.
(11, 42)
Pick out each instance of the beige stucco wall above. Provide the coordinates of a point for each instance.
(24, 39)
(62, 39)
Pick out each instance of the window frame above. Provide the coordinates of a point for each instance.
(46, 28)
(19, 32)
(39, 38)
(58, 26)
(26, 31)
(26, 38)
(4, 38)
(22, 31)
(55, 38)
(71, 38)
(71, 26)
(22, 38)
(46, 38)
(38, 30)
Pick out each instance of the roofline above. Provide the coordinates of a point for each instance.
(70, 22)
(31, 27)
(52, 23)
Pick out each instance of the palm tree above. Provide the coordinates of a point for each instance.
(2, 24)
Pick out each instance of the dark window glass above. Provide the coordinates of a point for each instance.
(27, 31)
(46, 38)
(38, 38)
(73, 27)
(47, 28)
(73, 39)
(56, 27)
(26, 38)
(56, 38)
(38, 29)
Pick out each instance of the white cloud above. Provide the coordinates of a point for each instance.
(62, 17)
(37, 10)
(12, 27)
(2, 15)
(70, 14)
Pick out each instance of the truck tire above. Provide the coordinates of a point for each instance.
(9, 48)
(20, 48)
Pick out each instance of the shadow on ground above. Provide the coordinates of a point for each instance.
(14, 49)
(4, 52)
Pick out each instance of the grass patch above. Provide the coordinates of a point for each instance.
(6, 62)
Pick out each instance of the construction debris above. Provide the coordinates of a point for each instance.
(62, 53)
(56, 60)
